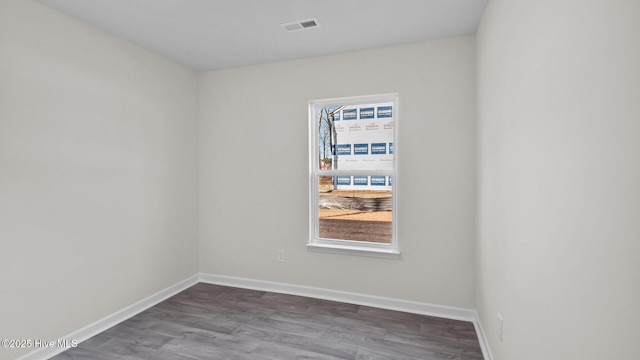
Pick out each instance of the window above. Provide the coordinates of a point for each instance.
(353, 175)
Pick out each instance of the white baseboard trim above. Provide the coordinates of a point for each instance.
(414, 307)
(113, 319)
(482, 337)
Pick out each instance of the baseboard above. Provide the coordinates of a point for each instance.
(482, 337)
(113, 319)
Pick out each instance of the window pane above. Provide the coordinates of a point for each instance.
(356, 137)
(357, 208)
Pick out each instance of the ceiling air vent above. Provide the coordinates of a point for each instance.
(301, 24)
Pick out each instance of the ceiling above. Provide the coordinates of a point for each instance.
(216, 34)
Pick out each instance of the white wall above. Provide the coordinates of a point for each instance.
(254, 170)
(98, 173)
(559, 180)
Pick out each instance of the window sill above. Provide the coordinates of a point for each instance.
(357, 250)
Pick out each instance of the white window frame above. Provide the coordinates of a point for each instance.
(350, 247)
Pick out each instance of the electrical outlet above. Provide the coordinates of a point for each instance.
(281, 255)
(499, 327)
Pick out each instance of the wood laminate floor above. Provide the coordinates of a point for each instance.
(218, 322)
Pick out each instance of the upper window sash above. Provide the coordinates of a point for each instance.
(360, 103)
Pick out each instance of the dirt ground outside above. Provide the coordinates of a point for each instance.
(385, 216)
(356, 214)
(356, 230)
(366, 194)
(360, 215)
